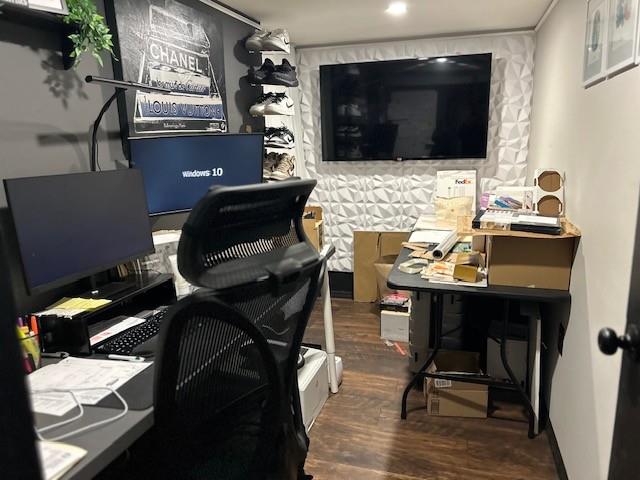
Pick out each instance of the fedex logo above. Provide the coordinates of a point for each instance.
(462, 181)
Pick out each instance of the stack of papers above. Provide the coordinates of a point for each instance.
(57, 458)
(428, 236)
(76, 373)
(70, 307)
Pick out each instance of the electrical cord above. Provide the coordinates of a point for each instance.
(71, 390)
(98, 156)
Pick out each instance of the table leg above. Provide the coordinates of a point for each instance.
(328, 332)
(503, 355)
(436, 316)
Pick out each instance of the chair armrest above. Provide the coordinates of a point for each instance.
(327, 252)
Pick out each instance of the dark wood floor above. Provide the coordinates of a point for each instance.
(359, 434)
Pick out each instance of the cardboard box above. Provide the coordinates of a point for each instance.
(521, 259)
(447, 398)
(367, 248)
(394, 326)
(313, 225)
(383, 267)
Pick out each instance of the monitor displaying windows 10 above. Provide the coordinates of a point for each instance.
(179, 170)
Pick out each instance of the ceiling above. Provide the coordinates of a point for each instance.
(323, 22)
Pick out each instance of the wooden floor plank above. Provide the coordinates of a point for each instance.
(359, 434)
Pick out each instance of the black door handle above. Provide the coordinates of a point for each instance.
(609, 341)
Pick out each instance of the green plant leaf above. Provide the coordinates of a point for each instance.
(92, 34)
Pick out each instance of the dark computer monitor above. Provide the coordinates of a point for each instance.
(73, 226)
(178, 170)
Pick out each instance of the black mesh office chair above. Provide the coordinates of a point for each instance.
(226, 398)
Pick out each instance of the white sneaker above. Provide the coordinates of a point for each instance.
(342, 131)
(254, 42)
(258, 108)
(278, 40)
(284, 167)
(280, 104)
(279, 138)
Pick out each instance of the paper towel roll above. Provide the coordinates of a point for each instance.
(445, 246)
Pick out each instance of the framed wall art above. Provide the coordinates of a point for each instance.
(177, 45)
(595, 42)
(622, 35)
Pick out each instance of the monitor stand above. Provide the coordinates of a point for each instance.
(108, 290)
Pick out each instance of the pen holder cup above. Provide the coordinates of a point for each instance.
(30, 353)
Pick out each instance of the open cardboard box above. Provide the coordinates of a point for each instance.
(368, 248)
(313, 226)
(446, 398)
(533, 260)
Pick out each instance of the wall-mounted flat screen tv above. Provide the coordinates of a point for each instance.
(416, 109)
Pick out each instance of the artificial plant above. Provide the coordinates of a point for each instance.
(91, 34)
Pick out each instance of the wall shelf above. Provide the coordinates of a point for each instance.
(52, 22)
(28, 16)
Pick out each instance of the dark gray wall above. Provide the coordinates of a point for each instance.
(46, 113)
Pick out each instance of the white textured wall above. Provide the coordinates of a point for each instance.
(591, 135)
(391, 195)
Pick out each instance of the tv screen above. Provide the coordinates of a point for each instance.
(179, 170)
(431, 108)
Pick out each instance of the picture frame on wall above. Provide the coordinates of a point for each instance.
(176, 45)
(622, 36)
(594, 67)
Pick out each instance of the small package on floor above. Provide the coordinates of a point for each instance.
(446, 398)
(394, 317)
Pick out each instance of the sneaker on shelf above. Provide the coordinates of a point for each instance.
(284, 167)
(280, 104)
(354, 153)
(279, 138)
(255, 41)
(353, 110)
(283, 74)
(342, 131)
(269, 163)
(354, 132)
(341, 110)
(278, 40)
(260, 75)
(258, 108)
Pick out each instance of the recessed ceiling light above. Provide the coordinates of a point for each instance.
(397, 8)
(441, 60)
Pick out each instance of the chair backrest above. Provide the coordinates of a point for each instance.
(232, 348)
(236, 235)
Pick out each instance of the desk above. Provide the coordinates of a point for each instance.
(105, 443)
(413, 282)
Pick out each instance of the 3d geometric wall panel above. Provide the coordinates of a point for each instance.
(391, 195)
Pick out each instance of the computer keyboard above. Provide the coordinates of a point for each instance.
(126, 342)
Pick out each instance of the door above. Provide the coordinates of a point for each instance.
(625, 458)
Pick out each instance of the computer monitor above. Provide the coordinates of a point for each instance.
(178, 170)
(73, 226)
